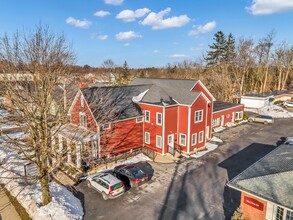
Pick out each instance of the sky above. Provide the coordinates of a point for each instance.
(147, 33)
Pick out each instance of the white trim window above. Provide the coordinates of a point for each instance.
(81, 102)
(238, 115)
(139, 119)
(193, 139)
(283, 214)
(200, 137)
(183, 139)
(82, 119)
(106, 126)
(159, 119)
(198, 116)
(147, 137)
(159, 141)
(216, 122)
(147, 116)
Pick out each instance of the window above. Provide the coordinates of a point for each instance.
(198, 116)
(239, 115)
(216, 122)
(200, 137)
(159, 141)
(183, 139)
(81, 102)
(283, 214)
(83, 119)
(193, 139)
(147, 116)
(159, 118)
(139, 119)
(106, 126)
(147, 137)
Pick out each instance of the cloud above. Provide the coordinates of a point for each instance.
(181, 56)
(78, 23)
(156, 51)
(202, 29)
(265, 7)
(126, 44)
(103, 37)
(127, 35)
(129, 15)
(102, 13)
(157, 21)
(113, 2)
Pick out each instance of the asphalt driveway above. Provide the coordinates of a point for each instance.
(193, 189)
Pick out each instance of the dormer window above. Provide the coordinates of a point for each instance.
(83, 119)
(82, 102)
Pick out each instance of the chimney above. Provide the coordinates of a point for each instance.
(83, 85)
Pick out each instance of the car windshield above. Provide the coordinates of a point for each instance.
(136, 172)
(117, 186)
(265, 116)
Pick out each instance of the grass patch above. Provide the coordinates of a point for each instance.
(19, 208)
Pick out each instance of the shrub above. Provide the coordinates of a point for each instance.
(245, 116)
(238, 214)
(278, 102)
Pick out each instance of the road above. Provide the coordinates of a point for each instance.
(195, 188)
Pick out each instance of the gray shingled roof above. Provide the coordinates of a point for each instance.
(270, 178)
(218, 106)
(113, 103)
(168, 90)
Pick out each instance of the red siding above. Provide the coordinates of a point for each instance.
(199, 88)
(227, 113)
(171, 115)
(251, 212)
(76, 109)
(196, 127)
(122, 136)
(182, 125)
(152, 126)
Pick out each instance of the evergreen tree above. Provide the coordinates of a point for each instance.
(217, 51)
(230, 49)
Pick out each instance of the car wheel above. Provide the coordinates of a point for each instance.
(265, 122)
(89, 184)
(105, 196)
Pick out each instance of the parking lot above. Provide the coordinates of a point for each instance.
(194, 188)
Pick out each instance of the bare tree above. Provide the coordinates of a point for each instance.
(44, 56)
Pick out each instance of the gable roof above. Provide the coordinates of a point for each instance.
(169, 91)
(269, 178)
(113, 103)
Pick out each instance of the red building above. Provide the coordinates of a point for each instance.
(161, 114)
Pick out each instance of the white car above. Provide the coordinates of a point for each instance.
(288, 104)
(108, 185)
(289, 141)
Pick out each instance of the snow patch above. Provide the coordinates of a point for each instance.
(216, 139)
(219, 129)
(3, 113)
(275, 112)
(209, 146)
(139, 97)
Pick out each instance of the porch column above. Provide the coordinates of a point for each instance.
(78, 156)
(94, 148)
(68, 150)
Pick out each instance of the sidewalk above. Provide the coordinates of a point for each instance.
(7, 210)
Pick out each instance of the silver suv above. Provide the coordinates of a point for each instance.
(108, 185)
(262, 119)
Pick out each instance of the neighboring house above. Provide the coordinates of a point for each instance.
(163, 115)
(257, 100)
(266, 186)
(225, 112)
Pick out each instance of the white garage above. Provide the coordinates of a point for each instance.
(257, 100)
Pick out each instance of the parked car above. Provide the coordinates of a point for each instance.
(289, 141)
(288, 104)
(262, 119)
(131, 175)
(108, 185)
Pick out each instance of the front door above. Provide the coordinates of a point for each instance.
(233, 116)
(207, 132)
(171, 144)
(222, 120)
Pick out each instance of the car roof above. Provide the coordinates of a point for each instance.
(108, 178)
(265, 116)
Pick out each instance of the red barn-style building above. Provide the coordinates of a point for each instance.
(163, 115)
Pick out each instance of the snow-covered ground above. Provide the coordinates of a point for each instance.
(3, 113)
(216, 139)
(209, 147)
(64, 205)
(275, 111)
